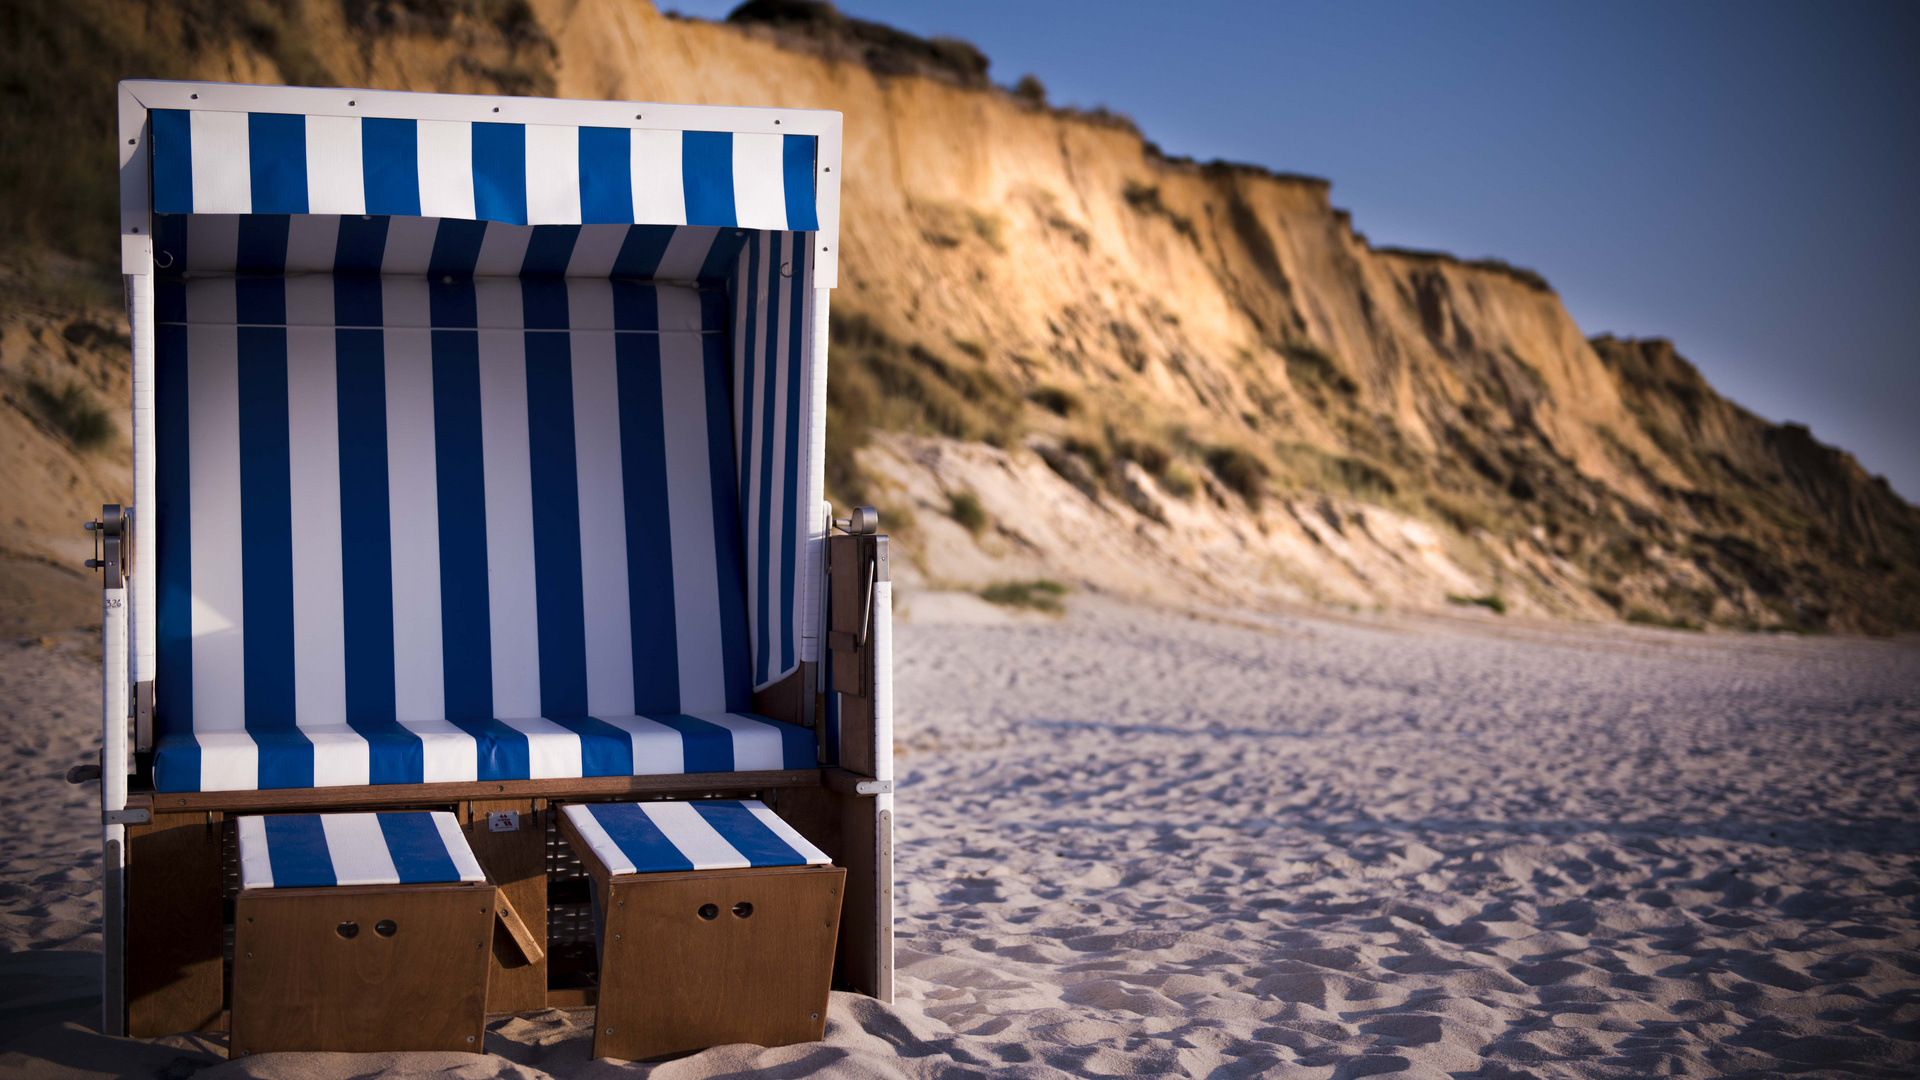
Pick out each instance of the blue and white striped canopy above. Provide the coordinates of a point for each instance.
(209, 162)
(291, 851)
(717, 834)
(458, 500)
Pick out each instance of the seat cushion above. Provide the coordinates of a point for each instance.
(432, 751)
(718, 834)
(285, 851)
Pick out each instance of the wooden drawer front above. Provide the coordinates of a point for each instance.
(299, 984)
(672, 981)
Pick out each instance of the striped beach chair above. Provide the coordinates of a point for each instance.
(478, 455)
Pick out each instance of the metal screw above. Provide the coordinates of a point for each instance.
(249, 955)
(816, 1016)
(469, 1038)
(609, 1031)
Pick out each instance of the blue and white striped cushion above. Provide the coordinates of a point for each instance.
(287, 851)
(208, 162)
(491, 525)
(720, 834)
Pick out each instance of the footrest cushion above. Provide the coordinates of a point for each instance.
(283, 851)
(716, 834)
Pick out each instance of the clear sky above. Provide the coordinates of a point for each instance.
(1743, 178)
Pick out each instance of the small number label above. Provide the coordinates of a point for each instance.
(114, 603)
(503, 820)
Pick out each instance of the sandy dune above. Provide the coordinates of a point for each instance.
(1140, 844)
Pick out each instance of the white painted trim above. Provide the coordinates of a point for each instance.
(883, 682)
(813, 442)
(139, 95)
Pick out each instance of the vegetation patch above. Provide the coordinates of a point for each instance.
(1041, 594)
(1315, 373)
(1242, 473)
(73, 413)
(1310, 468)
(965, 509)
(1647, 617)
(880, 382)
(1055, 400)
(1145, 199)
(1490, 601)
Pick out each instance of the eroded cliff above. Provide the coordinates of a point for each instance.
(1059, 353)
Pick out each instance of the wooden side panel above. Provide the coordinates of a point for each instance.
(848, 558)
(756, 972)
(865, 959)
(857, 835)
(516, 862)
(175, 976)
(300, 984)
(783, 700)
(815, 814)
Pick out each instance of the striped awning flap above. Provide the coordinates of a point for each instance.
(215, 245)
(718, 834)
(287, 851)
(207, 162)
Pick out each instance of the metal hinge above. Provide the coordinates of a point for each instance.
(125, 817)
(847, 782)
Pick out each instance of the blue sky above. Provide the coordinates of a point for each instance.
(1739, 177)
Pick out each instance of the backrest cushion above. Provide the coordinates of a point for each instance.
(398, 497)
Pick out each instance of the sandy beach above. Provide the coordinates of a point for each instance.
(1138, 843)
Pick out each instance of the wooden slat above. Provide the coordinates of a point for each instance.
(516, 862)
(530, 946)
(175, 980)
(447, 794)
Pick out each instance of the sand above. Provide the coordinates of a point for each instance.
(1134, 843)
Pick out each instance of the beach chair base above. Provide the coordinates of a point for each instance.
(696, 958)
(318, 969)
(672, 981)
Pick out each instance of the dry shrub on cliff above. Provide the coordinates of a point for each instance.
(819, 27)
(1056, 400)
(882, 382)
(72, 412)
(1242, 473)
